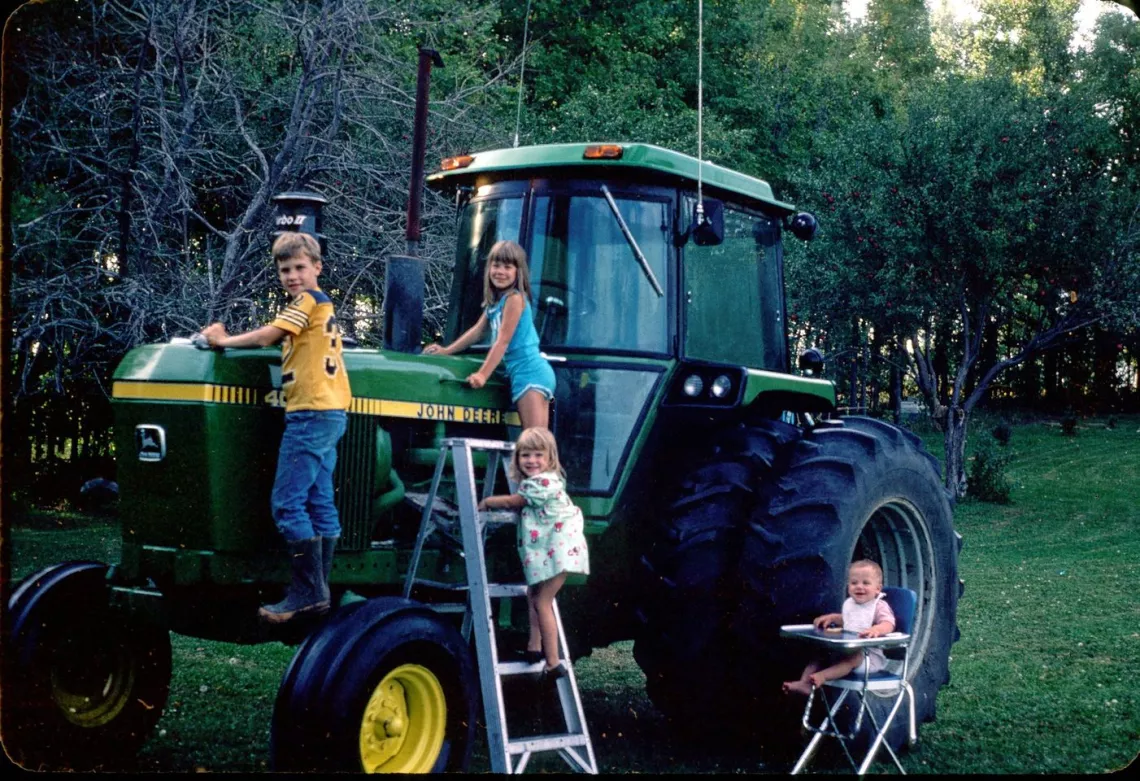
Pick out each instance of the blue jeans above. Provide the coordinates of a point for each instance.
(302, 497)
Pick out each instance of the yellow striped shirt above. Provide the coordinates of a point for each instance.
(312, 370)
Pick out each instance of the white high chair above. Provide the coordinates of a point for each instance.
(902, 602)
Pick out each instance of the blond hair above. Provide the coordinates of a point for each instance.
(506, 252)
(540, 440)
(293, 243)
(868, 563)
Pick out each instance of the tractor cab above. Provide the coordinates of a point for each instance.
(626, 280)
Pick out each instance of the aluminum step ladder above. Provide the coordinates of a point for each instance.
(507, 755)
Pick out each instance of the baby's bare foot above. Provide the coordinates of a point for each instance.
(799, 687)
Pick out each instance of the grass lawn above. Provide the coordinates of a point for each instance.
(1050, 626)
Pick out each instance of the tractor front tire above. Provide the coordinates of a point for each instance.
(386, 685)
(83, 684)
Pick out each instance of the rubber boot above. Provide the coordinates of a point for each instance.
(328, 548)
(306, 592)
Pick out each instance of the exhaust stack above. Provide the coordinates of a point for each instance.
(298, 211)
(404, 280)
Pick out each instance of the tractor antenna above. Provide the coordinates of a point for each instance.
(700, 105)
(522, 70)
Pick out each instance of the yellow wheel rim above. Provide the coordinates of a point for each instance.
(92, 692)
(404, 722)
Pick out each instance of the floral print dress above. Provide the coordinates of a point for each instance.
(552, 537)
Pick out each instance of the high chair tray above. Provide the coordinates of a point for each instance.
(843, 639)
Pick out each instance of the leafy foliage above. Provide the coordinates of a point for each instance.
(148, 139)
(985, 206)
(988, 480)
(976, 181)
(1002, 432)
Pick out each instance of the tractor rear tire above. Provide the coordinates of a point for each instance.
(863, 490)
(762, 536)
(83, 684)
(385, 685)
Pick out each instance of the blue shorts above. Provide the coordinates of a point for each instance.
(532, 374)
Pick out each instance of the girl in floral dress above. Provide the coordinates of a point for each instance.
(552, 539)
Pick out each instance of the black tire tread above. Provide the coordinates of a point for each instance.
(36, 736)
(322, 684)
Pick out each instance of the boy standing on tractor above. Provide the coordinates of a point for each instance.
(317, 396)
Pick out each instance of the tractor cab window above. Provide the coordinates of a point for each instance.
(590, 290)
(482, 224)
(734, 307)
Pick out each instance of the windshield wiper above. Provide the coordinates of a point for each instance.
(637, 253)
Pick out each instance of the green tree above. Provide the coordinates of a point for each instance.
(977, 206)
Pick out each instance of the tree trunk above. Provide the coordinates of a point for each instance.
(1028, 384)
(942, 369)
(1052, 398)
(988, 357)
(896, 381)
(1078, 356)
(955, 443)
(1105, 382)
(866, 379)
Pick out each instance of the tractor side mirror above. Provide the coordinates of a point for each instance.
(803, 226)
(811, 362)
(708, 228)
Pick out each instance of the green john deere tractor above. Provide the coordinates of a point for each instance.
(722, 498)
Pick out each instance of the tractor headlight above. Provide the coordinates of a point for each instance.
(706, 385)
(721, 386)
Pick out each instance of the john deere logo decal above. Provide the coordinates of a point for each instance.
(150, 442)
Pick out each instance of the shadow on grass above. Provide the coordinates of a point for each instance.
(58, 520)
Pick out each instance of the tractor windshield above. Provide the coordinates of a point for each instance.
(588, 289)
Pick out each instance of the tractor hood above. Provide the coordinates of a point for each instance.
(384, 383)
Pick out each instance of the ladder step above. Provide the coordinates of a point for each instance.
(499, 517)
(480, 444)
(441, 506)
(519, 668)
(496, 590)
(546, 743)
(440, 584)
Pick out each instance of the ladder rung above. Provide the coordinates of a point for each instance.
(496, 590)
(481, 444)
(499, 517)
(438, 505)
(519, 668)
(440, 584)
(546, 743)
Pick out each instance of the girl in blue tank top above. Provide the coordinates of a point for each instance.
(514, 340)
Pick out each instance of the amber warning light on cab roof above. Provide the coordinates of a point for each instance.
(459, 161)
(603, 152)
